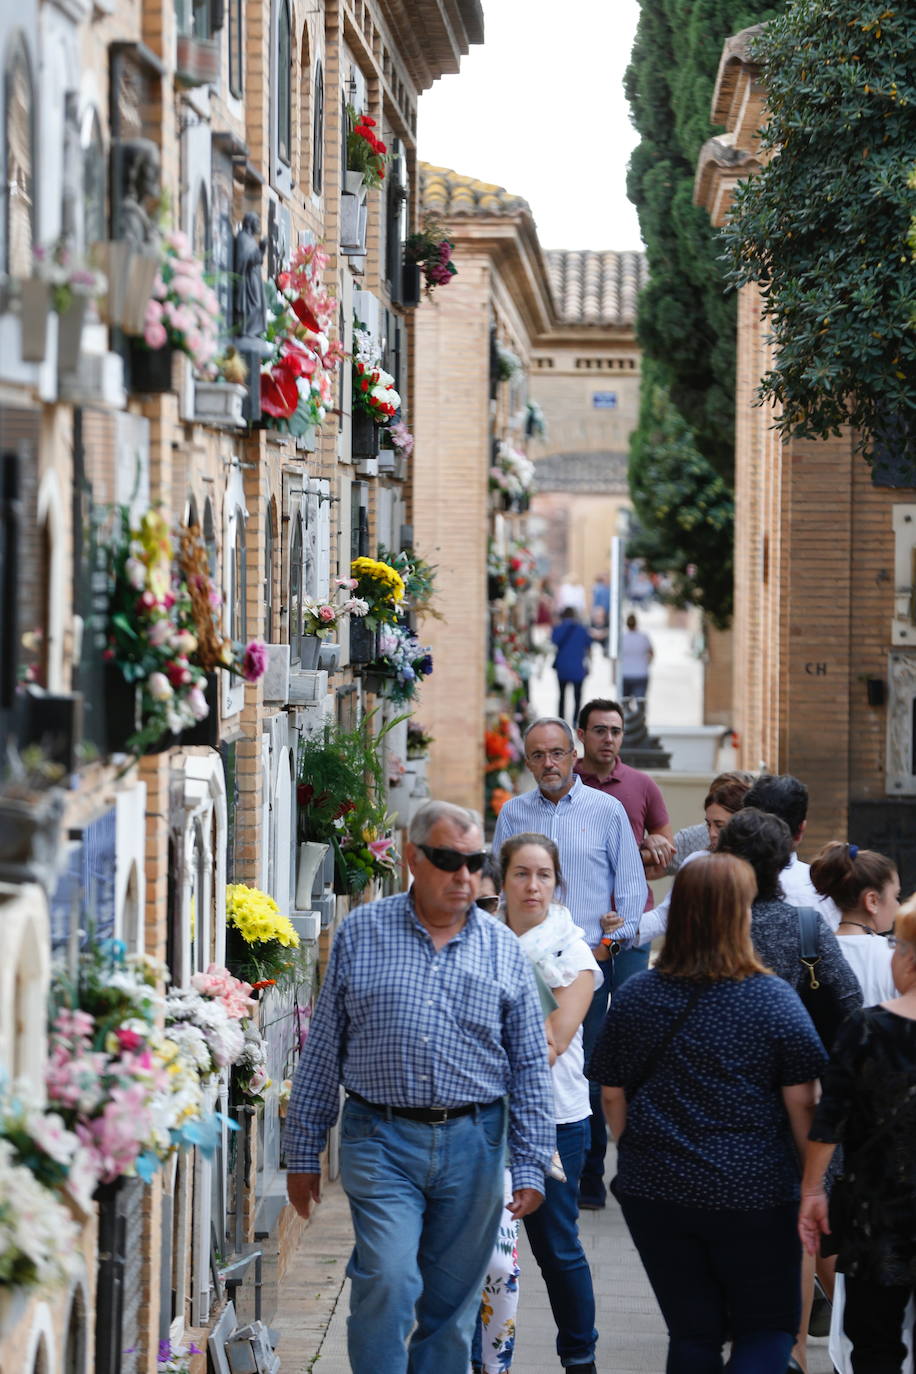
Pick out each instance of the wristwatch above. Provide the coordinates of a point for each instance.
(612, 946)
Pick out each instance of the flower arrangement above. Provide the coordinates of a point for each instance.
(535, 423)
(381, 587)
(67, 277)
(204, 606)
(419, 578)
(401, 439)
(174, 1359)
(269, 942)
(431, 249)
(367, 855)
(403, 660)
(38, 1238)
(504, 754)
(163, 633)
(214, 1019)
(522, 567)
(512, 473)
(508, 363)
(42, 1144)
(418, 741)
(183, 311)
(373, 387)
(341, 797)
(297, 376)
(321, 617)
(366, 152)
(130, 1090)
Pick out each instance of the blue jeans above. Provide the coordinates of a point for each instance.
(720, 1275)
(616, 973)
(425, 1202)
(554, 1239)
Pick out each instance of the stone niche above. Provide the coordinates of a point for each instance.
(901, 724)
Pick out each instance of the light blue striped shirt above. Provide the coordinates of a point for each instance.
(598, 854)
(408, 1025)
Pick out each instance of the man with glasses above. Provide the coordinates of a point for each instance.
(429, 1017)
(601, 735)
(602, 868)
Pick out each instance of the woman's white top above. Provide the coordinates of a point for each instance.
(558, 949)
(869, 957)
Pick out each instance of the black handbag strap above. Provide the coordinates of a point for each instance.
(809, 941)
(655, 1056)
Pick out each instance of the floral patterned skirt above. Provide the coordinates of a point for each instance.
(499, 1300)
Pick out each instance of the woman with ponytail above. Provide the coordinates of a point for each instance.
(866, 888)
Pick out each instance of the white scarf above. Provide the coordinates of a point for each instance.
(548, 946)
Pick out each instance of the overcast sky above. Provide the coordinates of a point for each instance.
(540, 109)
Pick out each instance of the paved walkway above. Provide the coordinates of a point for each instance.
(314, 1299)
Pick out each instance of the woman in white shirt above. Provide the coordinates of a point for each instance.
(556, 946)
(866, 888)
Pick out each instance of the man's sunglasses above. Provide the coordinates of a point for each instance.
(450, 860)
(488, 903)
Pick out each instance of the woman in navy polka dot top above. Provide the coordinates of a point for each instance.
(709, 1063)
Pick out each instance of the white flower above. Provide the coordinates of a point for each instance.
(159, 687)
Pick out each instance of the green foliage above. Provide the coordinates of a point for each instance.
(685, 507)
(824, 228)
(686, 321)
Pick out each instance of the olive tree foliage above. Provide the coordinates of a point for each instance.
(825, 228)
(686, 318)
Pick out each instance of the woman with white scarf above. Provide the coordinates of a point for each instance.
(555, 945)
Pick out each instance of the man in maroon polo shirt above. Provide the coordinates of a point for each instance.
(601, 732)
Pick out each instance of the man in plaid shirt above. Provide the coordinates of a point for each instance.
(430, 1019)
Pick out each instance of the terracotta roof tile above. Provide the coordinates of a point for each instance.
(596, 287)
(445, 192)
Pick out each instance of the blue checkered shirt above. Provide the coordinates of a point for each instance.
(600, 859)
(407, 1025)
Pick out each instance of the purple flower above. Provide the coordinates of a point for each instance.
(255, 661)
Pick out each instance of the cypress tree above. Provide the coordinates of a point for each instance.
(684, 441)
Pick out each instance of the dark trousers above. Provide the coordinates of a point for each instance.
(577, 698)
(721, 1275)
(616, 973)
(636, 687)
(554, 1239)
(873, 1320)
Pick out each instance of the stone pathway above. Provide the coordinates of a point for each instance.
(314, 1299)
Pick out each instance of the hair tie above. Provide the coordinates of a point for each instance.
(853, 850)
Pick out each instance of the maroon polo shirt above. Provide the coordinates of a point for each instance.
(640, 798)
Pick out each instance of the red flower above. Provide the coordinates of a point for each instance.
(282, 280)
(298, 362)
(364, 385)
(279, 393)
(380, 147)
(305, 315)
(365, 119)
(304, 793)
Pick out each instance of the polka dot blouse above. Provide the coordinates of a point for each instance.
(708, 1128)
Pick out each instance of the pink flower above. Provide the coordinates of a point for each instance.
(255, 661)
(326, 613)
(128, 1039)
(198, 704)
(159, 633)
(154, 336)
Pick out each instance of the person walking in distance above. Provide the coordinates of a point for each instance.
(429, 1016)
(572, 642)
(600, 733)
(636, 654)
(601, 863)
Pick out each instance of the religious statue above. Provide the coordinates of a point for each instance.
(138, 182)
(249, 309)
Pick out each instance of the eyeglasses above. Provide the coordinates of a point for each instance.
(450, 860)
(602, 731)
(555, 755)
(488, 903)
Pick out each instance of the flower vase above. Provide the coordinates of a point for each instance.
(35, 303)
(311, 859)
(150, 369)
(70, 334)
(363, 641)
(410, 285)
(364, 435)
(308, 653)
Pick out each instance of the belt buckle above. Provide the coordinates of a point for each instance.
(442, 1116)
